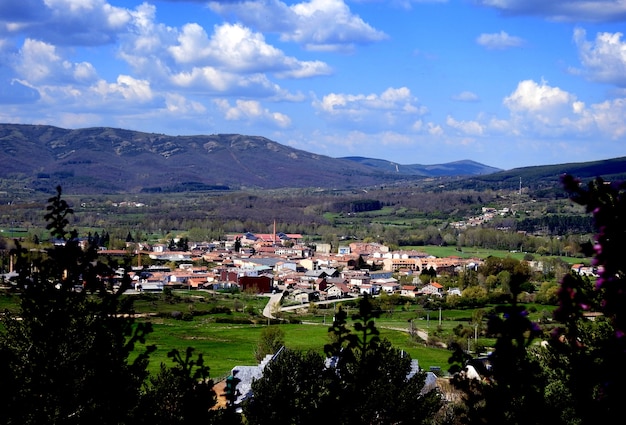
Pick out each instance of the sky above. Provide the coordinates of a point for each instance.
(507, 83)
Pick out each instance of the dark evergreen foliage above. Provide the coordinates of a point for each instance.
(364, 380)
(578, 374)
(178, 395)
(65, 357)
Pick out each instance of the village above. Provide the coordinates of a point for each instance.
(266, 263)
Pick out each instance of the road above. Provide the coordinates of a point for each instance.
(276, 298)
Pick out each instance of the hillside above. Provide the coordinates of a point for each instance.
(457, 168)
(544, 179)
(108, 160)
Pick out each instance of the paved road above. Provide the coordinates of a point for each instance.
(275, 299)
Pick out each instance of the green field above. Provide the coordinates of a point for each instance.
(476, 252)
(225, 346)
(226, 328)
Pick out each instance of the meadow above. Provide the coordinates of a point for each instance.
(229, 339)
(226, 328)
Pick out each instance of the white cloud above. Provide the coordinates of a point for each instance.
(563, 10)
(231, 61)
(144, 47)
(251, 111)
(466, 96)
(178, 104)
(604, 60)
(207, 78)
(395, 107)
(609, 118)
(40, 62)
(66, 22)
(535, 98)
(472, 128)
(212, 81)
(128, 88)
(435, 129)
(238, 49)
(538, 110)
(319, 25)
(499, 41)
(391, 99)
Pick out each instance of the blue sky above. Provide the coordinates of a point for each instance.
(508, 83)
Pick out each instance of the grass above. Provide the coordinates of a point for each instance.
(226, 345)
(467, 252)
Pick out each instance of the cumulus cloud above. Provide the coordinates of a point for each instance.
(318, 25)
(499, 41)
(238, 49)
(64, 22)
(532, 97)
(144, 46)
(542, 110)
(233, 60)
(39, 62)
(178, 104)
(126, 87)
(472, 128)
(393, 107)
(604, 59)
(251, 111)
(563, 10)
(392, 99)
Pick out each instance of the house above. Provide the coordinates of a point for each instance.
(395, 264)
(312, 275)
(584, 270)
(369, 289)
(304, 296)
(337, 290)
(366, 248)
(408, 291)
(432, 288)
(260, 284)
(389, 285)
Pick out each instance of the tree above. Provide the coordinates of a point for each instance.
(578, 375)
(70, 355)
(363, 380)
(65, 356)
(294, 389)
(181, 394)
(271, 340)
(375, 385)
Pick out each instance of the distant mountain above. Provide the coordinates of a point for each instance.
(457, 168)
(109, 160)
(545, 177)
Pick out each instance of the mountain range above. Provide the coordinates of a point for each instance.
(111, 160)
